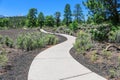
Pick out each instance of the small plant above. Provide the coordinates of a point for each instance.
(112, 73)
(8, 42)
(94, 56)
(3, 57)
(106, 54)
(119, 60)
(83, 42)
(1, 39)
(114, 36)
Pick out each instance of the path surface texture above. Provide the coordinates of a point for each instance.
(56, 63)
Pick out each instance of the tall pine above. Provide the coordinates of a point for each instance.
(78, 13)
(67, 15)
(31, 17)
(41, 19)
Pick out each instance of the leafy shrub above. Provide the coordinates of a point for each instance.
(74, 26)
(94, 56)
(34, 40)
(114, 36)
(112, 73)
(101, 32)
(64, 30)
(1, 39)
(3, 57)
(52, 39)
(106, 54)
(8, 42)
(83, 42)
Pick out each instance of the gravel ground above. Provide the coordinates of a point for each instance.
(101, 68)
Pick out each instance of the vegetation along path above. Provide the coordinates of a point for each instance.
(56, 63)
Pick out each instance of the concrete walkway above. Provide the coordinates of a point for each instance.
(56, 63)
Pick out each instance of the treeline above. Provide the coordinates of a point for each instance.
(35, 18)
(100, 11)
(12, 22)
(38, 19)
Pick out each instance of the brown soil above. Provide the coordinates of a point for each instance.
(19, 61)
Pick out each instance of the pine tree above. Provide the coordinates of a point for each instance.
(57, 18)
(67, 15)
(41, 19)
(32, 18)
(79, 17)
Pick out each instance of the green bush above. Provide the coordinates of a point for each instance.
(74, 26)
(94, 56)
(51, 39)
(3, 57)
(64, 30)
(1, 39)
(101, 32)
(106, 54)
(8, 42)
(114, 36)
(83, 42)
(112, 73)
(35, 40)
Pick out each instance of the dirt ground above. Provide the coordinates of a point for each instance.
(106, 64)
(19, 61)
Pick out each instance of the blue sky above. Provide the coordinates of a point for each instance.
(48, 7)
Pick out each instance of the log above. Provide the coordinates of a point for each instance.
(112, 45)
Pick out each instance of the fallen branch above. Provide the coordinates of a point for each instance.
(112, 45)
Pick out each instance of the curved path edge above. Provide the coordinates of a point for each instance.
(56, 63)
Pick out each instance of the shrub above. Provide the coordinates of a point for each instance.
(106, 54)
(51, 39)
(35, 40)
(112, 73)
(83, 42)
(64, 30)
(3, 57)
(74, 26)
(68, 31)
(114, 36)
(1, 39)
(8, 42)
(94, 56)
(20, 40)
(101, 32)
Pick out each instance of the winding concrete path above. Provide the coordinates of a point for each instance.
(56, 63)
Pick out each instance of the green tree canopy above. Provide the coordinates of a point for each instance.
(49, 21)
(77, 13)
(57, 18)
(4, 22)
(31, 17)
(67, 14)
(41, 19)
(102, 10)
